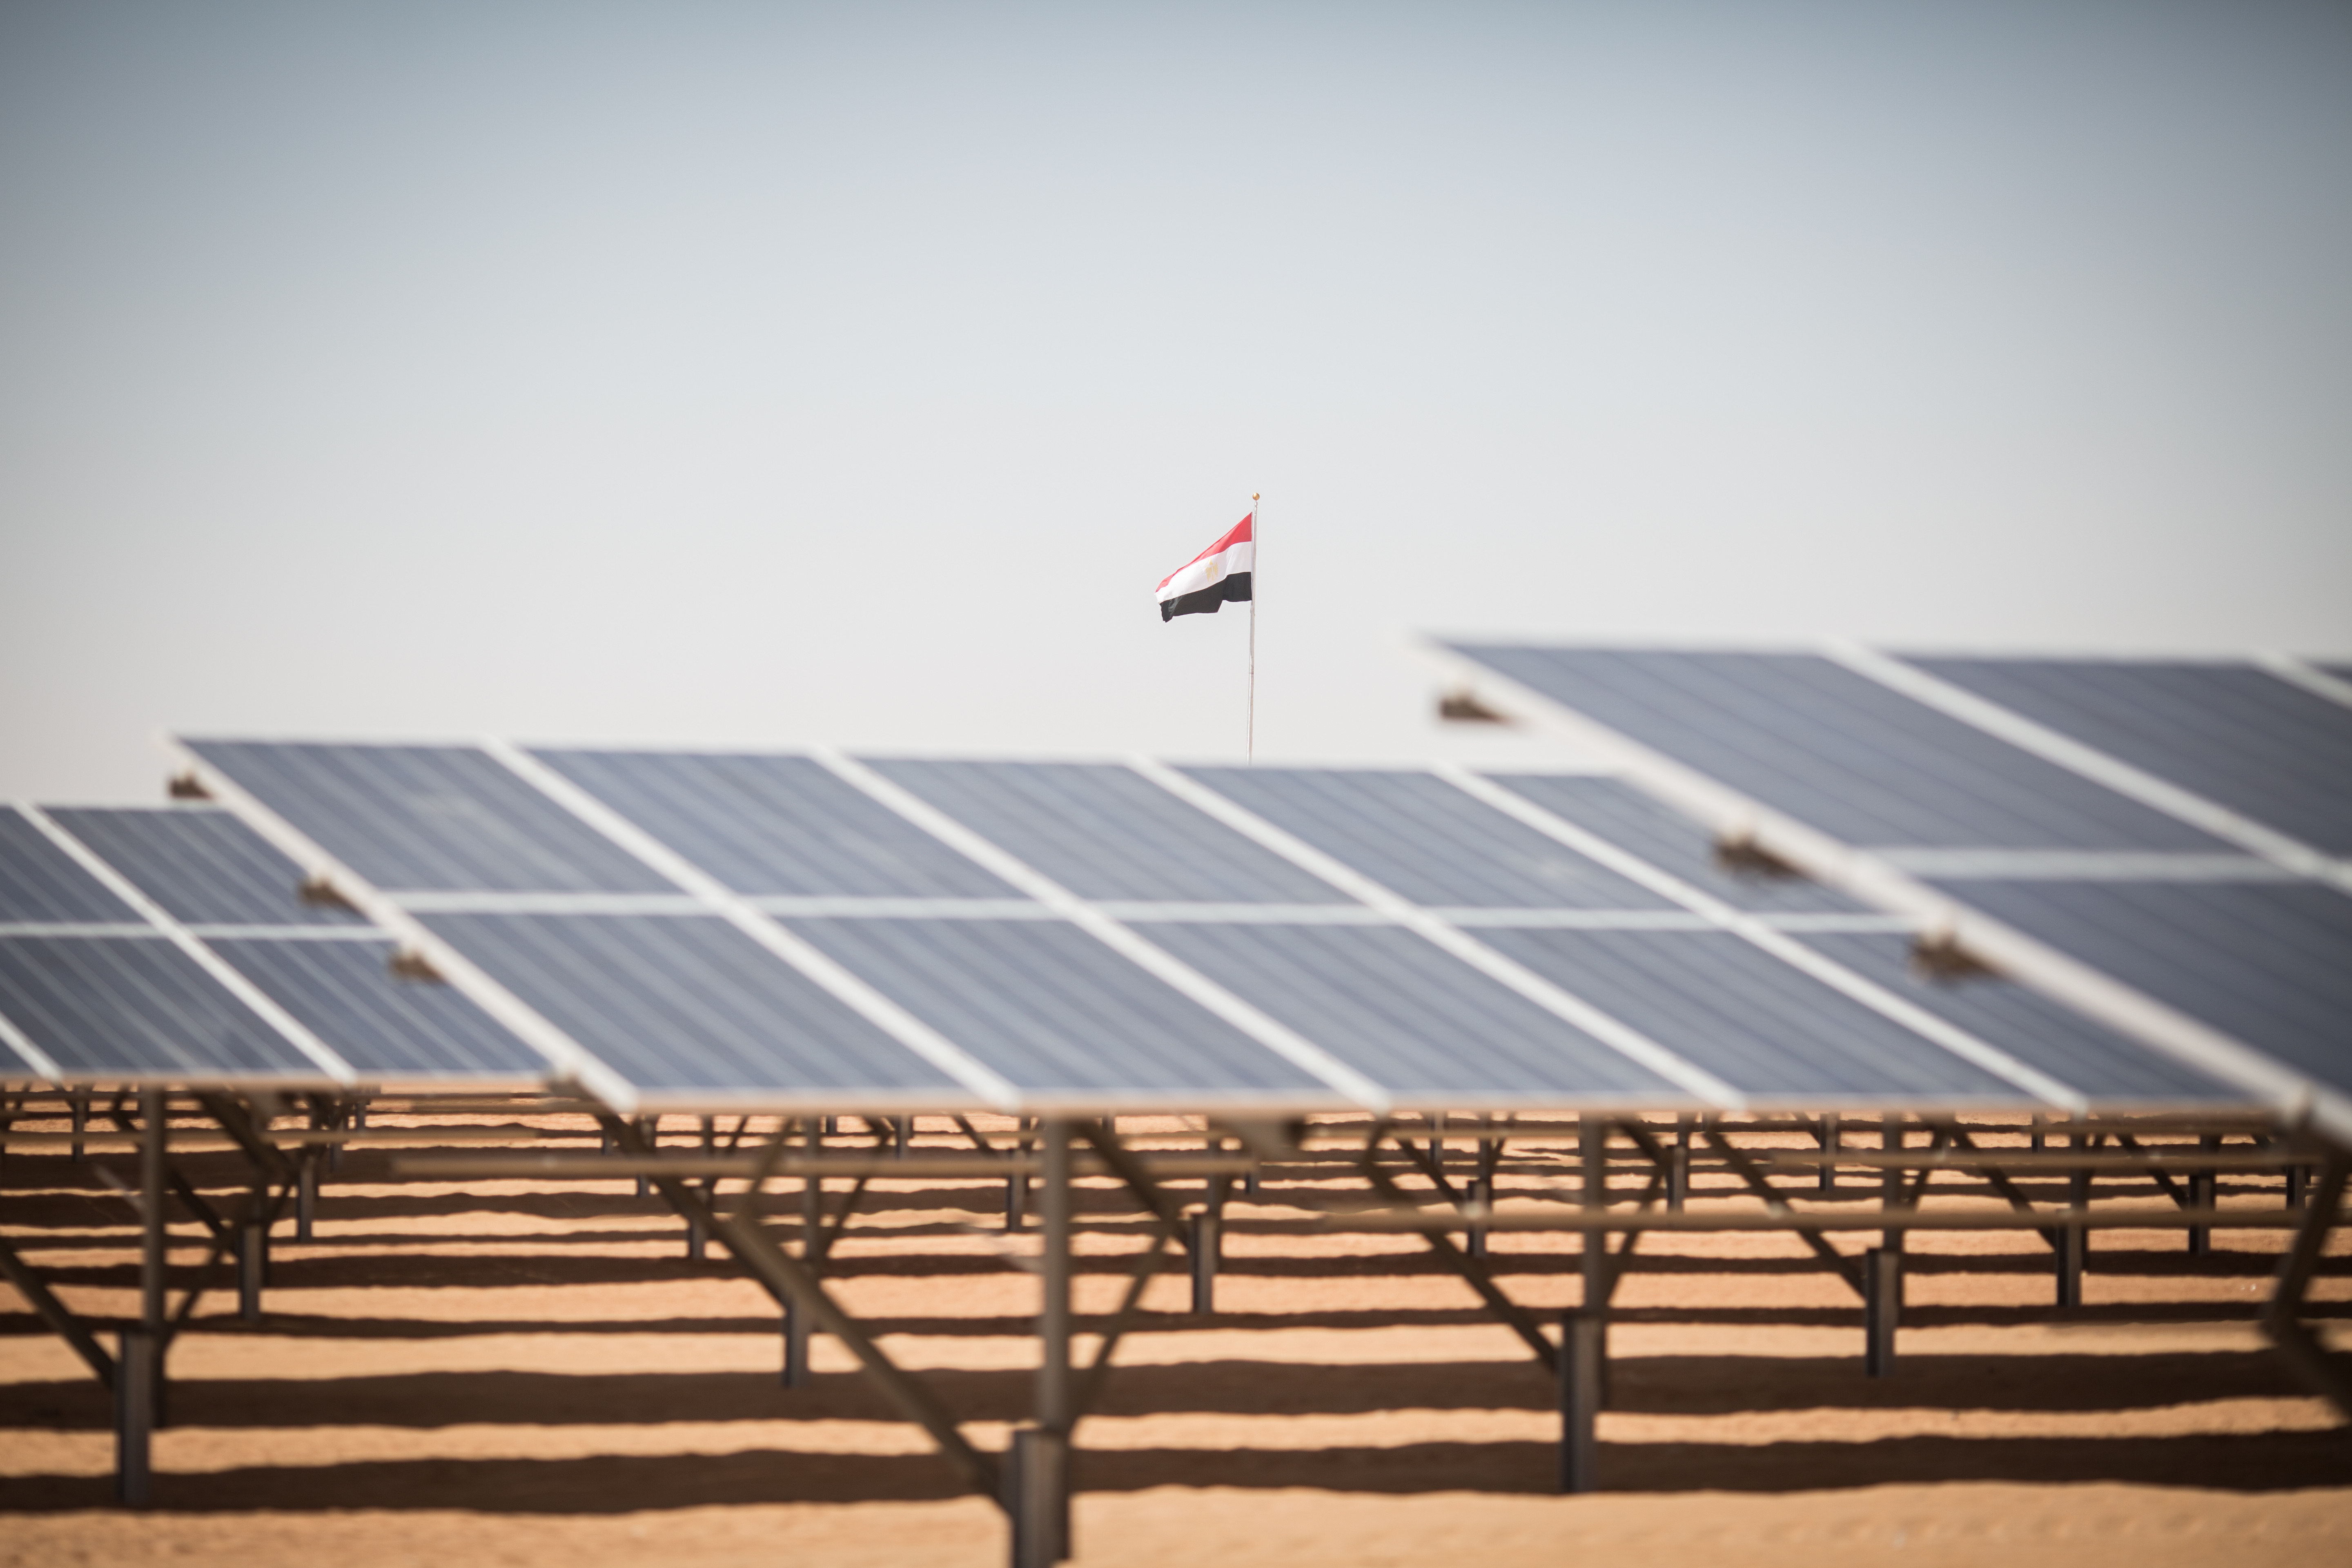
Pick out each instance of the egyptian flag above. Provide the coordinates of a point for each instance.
(1218, 573)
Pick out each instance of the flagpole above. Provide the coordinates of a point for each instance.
(1249, 751)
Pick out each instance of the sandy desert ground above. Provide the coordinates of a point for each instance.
(528, 1373)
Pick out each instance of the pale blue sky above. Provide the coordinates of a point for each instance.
(757, 375)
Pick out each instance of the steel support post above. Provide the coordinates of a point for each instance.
(797, 1320)
(2072, 1240)
(1592, 1139)
(1583, 1374)
(1882, 1310)
(1831, 1132)
(1891, 1133)
(306, 1193)
(2075, 1240)
(2204, 1187)
(252, 1259)
(2298, 1179)
(80, 1101)
(1678, 1165)
(1205, 1241)
(138, 1369)
(1037, 1478)
(1480, 1194)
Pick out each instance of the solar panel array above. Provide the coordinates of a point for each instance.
(169, 944)
(699, 932)
(2180, 827)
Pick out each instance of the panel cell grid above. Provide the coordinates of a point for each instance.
(1636, 821)
(1763, 1026)
(201, 864)
(446, 818)
(2104, 1066)
(687, 1004)
(1422, 838)
(2236, 734)
(1054, 1011)
(137, 1007)
(776, 826)
(40, 882)
(1839, 752)
(1420, 1022)
(344, 993)
(1107, 832)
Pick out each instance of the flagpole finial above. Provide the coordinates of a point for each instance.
(1253, 495)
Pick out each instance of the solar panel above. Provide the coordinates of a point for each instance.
(127, 999)
(201, 864)
(688, 1005)
(1106, 832)
(2108, 1066)
(1424, 1025)
(2269, 962)
(2232, 732)
(1420, 837)
(1809, 737)
(386, 1029)
(40, 883)
(430, 816)
(1672, 842)
(1749, 1018)
(136, 1007)
(775, 825)
(1040, 935)
(2223, 937)
(1054, 1012)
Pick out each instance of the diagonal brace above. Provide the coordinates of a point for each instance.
(56, 1314)
(2283, 1318)
(1480, 1277)
(793, 1283)
(1745, 1168)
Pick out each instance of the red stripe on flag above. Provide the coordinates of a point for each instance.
(1238, 534)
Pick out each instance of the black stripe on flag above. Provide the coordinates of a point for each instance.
(1234, 589)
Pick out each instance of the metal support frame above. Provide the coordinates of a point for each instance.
(1757, 1183)
(787, 1281)
(1475, 1272)
(1828, 1133)
(2282, 1318)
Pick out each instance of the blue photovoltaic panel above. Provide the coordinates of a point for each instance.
(388, 1029)
(1420, 837)
(1051, 1009)
(2269, 962)
(1633, 821)
(776, 826)
(1758, 1023)
(2235, 734)
(137, 1007)
(1416, 1020)
(202, 865)
(1107, 832)
(685, 1003)
(39, 881)
(443, 817)
(2102, 1065)
(1839, 752)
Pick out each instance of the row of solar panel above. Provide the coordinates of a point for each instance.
(685, 1008)
(2255, 945)
(98, 992)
